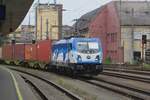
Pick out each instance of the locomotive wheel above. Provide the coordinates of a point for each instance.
(72, 73)
(52, 68)
(59, 70)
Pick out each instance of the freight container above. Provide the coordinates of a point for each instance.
(19, 52)
(30, 52)
(29, 55)
(7, 52)
(44, 51)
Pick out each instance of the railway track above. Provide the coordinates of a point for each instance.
(135, 77)
(133, 92)
(63, 90)
(129, 71)
(128, 91)
(36, 89)
(122, 66)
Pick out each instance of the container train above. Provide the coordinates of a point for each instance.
(75, 55)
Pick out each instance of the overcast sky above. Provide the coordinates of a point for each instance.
(74, 9)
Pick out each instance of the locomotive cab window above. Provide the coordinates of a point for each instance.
(93, 45)
(88, 46)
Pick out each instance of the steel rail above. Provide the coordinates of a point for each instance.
(123, 90)
(128, 71)
(60, 88)
(40, 93)
(125, 76)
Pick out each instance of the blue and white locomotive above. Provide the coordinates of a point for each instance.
(78, 55)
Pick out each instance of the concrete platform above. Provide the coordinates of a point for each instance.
(13, 87)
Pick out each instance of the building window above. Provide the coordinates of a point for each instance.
(111, 37)
(138, 35)
(137, 55)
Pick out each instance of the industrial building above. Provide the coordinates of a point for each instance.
(23, 34)
(48, 21)
(120, 26)
(67, 31)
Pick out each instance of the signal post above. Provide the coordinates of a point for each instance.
(144, 41)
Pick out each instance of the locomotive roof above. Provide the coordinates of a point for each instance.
(63, 41)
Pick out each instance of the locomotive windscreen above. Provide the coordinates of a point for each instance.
(88, 46)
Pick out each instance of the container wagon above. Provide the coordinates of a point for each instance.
(29, 55)
(72, 55)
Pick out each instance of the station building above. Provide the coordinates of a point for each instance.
(120, 26)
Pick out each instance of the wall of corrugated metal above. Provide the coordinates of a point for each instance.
(7, 52)
(30, 52)
(19, 53)
(44, 50)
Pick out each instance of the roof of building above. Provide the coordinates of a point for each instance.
(48, 5)
(132, 13)
(88, 17)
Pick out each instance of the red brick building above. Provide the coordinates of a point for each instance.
(110, 22)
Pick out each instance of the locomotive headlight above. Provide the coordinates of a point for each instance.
(79, 58)
(97, 58)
